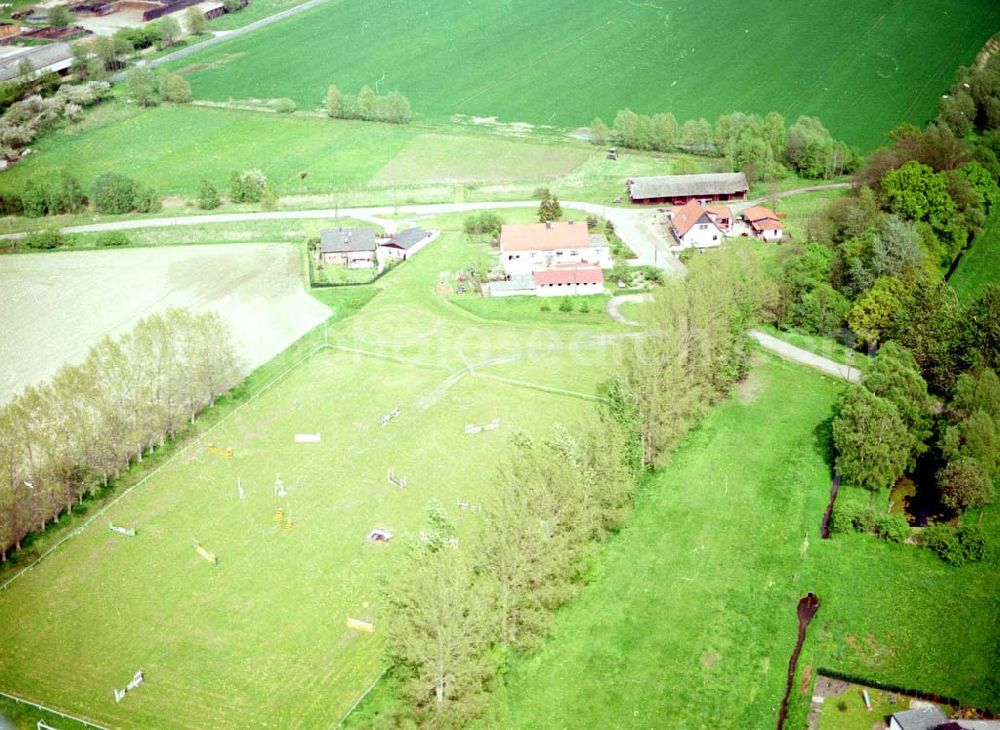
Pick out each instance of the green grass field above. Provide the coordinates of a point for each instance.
(690, 615)
(980, 265)
(261, 639)
(862, 69)
(325, 162)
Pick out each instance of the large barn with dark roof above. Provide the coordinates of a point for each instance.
(680, 189)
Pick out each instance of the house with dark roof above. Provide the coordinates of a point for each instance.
(405, 244)
(693, 226)
(679, 189)
(923, 718)
(350, 247)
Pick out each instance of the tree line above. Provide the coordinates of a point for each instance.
(874, 266)
(454, 614)
(65, 439)
(760, 146)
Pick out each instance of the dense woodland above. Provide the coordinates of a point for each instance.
(63, 440)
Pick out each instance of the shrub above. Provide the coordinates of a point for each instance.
(116, 194)
(113, 239)
(283, 106)
(47, 239)
(937, 538)
(892, 528)
(566, 305)
(545, 306)
(843, 517)
(208, 196)
(247, 186)
(584, 306)
(141, 86)
(972, 542)
(484, 222)
(865, 519)
(175, 88)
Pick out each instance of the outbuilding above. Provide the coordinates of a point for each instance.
(764, 223)
(569, 281)
(680, 189)
(405, 243)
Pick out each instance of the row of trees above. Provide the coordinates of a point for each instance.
(62, 193)
(760, 146)
(64, 439)
(392, 107)
(695, 346)
(455, 614)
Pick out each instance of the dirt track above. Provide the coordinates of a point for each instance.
(57, 305)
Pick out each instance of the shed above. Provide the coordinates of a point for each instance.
(406, 243)
(923, 718)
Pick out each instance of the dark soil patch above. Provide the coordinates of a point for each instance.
(807, 608)
(824, 528)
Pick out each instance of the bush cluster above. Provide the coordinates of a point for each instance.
(393, 107)
(247, 186)
(25, 120)
(958, 547)
(853, 517)
(116, 194)
(483, 222)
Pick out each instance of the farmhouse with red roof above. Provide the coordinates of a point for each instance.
(693, 226)
(764, 223)
(550, 259)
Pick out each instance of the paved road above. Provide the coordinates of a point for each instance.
(630, 223)
(804, 357)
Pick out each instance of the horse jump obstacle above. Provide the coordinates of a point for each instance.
(491, 426)
(218, 451)
(307, 438)
(279, 487)
(136, 681)
(468, 506)
(388, 417)
(359, 625)
(396, 481)
(130, 531)
(210, 557)
(239, 489)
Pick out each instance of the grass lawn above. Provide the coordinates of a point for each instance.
(529, 309)
(847, 710)
(174, 147)
(799, 210)
(867, 69)
(690, 613)
(215, 642)
(980, 265)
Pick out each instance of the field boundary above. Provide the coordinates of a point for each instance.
(43, 708)
(182, 451)
(361, 699)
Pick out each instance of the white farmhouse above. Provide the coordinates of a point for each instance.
(529, 247)
(693, 226)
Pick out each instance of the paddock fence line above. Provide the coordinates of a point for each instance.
(43, 708)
